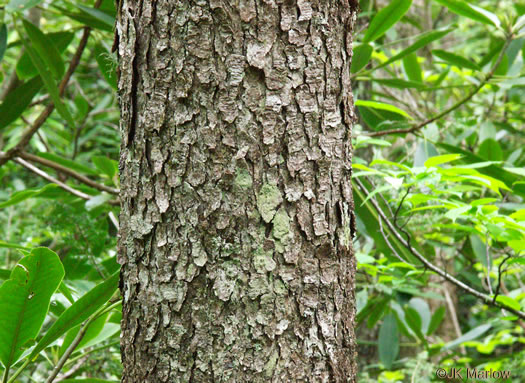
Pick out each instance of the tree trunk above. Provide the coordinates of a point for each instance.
(237, 211)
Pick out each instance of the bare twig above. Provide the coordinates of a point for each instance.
(484, 297)
(69, 172)
(28, 134)
(456, 105)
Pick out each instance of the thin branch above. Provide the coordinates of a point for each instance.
(484, 297)
(500, 274)
(69, 172)
(49, 178)
(453, 107)
(28, 134)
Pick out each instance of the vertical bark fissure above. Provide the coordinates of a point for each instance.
(237, 213)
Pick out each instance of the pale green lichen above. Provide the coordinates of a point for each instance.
(281, 224)
(262, 261)
(243, 178)
(268, 199)
(270, 365)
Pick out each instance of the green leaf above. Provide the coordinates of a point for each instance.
(98, 15)
(361, 57)
(25, 194)
(3, 40)
(107, 65)
(85, 19)
(106, 165)
(508, 301)
(20, 5)
(471, 11)
(46, 50)
(25, 69)
(398, 83)
(471, 335)
(423, 40)
(438, 160)
(25, 299)
(388, 341)
(414, 321)
(18, 100)
(386, 18)
(49, 83)
(491, 150)
(382, 106)
(79, 311)
(412, 68)
(421, 306)
(436, 320)
(8, 245)
(74, 165)
(451, 58)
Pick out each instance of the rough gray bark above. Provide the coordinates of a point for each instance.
(237, 210)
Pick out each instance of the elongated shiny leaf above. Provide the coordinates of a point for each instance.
(463, 8)
(25, 68)
(17, 101)
(388, 341)
(423, 40)
(386, 18)
(25, 299)
(361, 57)
(398, 83)
(75, 165)
(79, 311)
(45, 49)
(382, 106)
(412, 68)
(49, 83)
(471, 335)
(436, 320)
(3, 40)
(28, 193)
(454, 59)
(98, 15)
(21, 5)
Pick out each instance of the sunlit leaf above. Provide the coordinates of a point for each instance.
(386, 18)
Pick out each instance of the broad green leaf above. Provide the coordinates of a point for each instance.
(508, 301)
(97, 200)
(46, 50)
(398, 83)
(424, 151)
(451, 58)
(74, 165)
(25, 194)
(3, 40)
(107, 65)
(4, 274)
(382, 106)
(98, 15)
(20, 5)
(8, 245)
(490, 150)
(360, 57)
(436, 320)
(85, 19)
(25, 69)
(414, 321)
(25, 299)
(473, 12)
(386, 18)
(438, 160)
(49, 83)
(421, 41)
(18, 100)
(421, 306)
(388, 341)
(79, 311)
(471, 335)
(106, 165)
(412, 68)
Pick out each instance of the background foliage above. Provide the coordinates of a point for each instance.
(438, 182)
